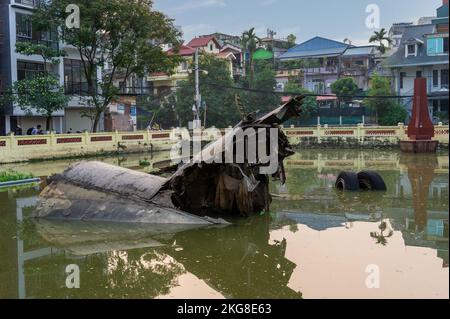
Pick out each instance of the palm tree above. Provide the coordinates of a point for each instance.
(250, 42)
(380, 37)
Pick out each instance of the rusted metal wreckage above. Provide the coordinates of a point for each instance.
(200, 192)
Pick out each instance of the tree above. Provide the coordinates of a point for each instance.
(250, 42)
(380, 37)
(265, 82)
(345, 86)
(291, 38)
(219, 101)
(388, 111)
(381, 87)
(393, 115)
(121, 37)
(41, 92)
(309, 103)
(162, 109)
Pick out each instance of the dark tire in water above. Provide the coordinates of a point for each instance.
(347, 181)
(371, 180)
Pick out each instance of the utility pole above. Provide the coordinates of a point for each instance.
(197, 91)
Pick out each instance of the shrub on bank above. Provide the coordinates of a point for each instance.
(10, 175)
(393, 115)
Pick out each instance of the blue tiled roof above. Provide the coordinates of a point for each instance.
(317, 46)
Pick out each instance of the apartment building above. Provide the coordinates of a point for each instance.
(16, 26)
(323, 61)
(424, 52)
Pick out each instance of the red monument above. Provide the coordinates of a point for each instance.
(420, 128)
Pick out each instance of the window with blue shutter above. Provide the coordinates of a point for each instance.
(435, 46)
(431, 46)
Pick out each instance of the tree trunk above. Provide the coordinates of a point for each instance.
(48, 123)
(252, 71)
(96, 121)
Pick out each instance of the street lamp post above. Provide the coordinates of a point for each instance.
(198, 98)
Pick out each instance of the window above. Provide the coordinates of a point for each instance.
(32, 3)
(435, 78)
(446, 45)
(27, 70)
(74, 78)
(411, 49)
(418, 74)
(23, 26)
(402, 79)
(210, 47)
(444, 78)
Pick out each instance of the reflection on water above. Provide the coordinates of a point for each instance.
(315, 243)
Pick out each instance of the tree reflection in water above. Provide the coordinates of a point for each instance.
(238, 261)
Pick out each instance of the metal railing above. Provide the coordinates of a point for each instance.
(48, 43)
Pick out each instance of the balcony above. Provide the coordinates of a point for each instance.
(28, 3)
(48, 43)
(354, 70)
(320, 70)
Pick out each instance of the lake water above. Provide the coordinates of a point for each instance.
(315, 243)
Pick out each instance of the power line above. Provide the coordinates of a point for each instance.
(317, 95)
(229, 87)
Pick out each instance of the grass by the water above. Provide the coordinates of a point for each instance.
(10, 175)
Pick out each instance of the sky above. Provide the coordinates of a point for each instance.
(332, 19)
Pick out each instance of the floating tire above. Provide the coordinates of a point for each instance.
(371, 180)
(347, 181)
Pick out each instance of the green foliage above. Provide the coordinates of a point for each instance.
(250, 43)
(388, 111)
(144, 163)
(264, 81)
(345, 86)
(291, 38)
(380, 86)
(442, 117)
(162, 109)
(221, 110)
(309, 103)
(300, 64)
(10, 175)
(125, 35)
(393, 115)
(41, 93)
(47, 53)
(381, 37)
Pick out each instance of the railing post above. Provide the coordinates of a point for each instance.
(359, 132)
(401, 131)
(12, 140)
(116, 137)
(52, 139)
(86, 138)
(319, 133)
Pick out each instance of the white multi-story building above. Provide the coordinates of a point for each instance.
(15, 26)
(423, 52)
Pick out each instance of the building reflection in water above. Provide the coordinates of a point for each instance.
(254, 258)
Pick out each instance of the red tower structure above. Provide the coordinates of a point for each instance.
(420, 128)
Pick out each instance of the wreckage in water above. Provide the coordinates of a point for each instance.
(207, 185)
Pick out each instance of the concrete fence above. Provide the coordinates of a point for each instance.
(357, 136)
(23, 148)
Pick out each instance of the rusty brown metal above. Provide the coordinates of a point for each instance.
(94, 191)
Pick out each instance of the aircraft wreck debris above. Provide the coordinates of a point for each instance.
(95, 191)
